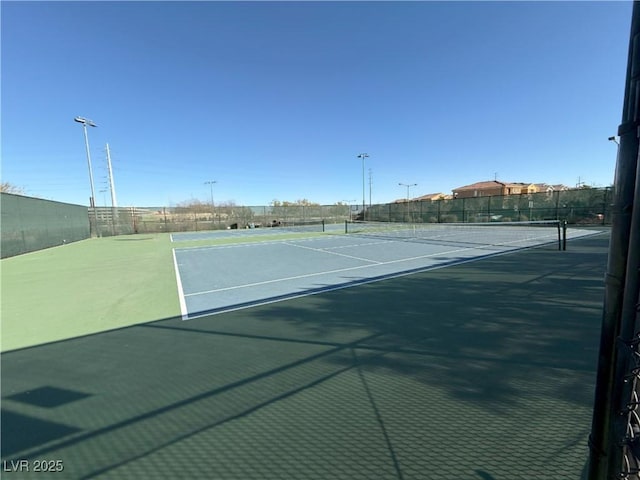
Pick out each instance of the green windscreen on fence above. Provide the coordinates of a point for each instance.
(583, 206)
(30, 224)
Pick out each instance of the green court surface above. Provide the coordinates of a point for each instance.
(480, 371)
(91, 286)
(86, 287)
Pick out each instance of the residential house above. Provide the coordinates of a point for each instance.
(432, 197)
(549, 189)
(493, 188)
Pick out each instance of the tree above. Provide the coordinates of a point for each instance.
(6, 187)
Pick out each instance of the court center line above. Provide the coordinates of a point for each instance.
(321, 250)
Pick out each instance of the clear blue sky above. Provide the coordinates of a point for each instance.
(274, 100)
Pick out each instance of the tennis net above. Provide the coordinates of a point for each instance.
(298, 225)
(503, 234)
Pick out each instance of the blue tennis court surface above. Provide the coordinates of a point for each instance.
(255, 232)
(214, 279)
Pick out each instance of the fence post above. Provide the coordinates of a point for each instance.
(464, 212)
(133, 219)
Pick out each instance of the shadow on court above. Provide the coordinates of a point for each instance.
(478, 371)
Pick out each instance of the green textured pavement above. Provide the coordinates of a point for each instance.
(93, 285)
(480, 371)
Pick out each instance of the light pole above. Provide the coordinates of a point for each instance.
(408, 185)
(85, 122)
(363, 156)
(213, 211)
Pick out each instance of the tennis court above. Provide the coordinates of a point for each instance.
(483, 370)
(254, 231)
(213, 279)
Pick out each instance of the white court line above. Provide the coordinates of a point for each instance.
(321, 250)
(248, 244)
(359, 283)
(308, 275)
(183, 303)
(171, 237)
(364, 281)
(351, 245)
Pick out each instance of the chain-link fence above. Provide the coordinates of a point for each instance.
(30, 224)
(120, 221)
(579, 206)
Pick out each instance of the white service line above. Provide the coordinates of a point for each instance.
(322, 250)
(183, 303)
(246, 244)
(344, 286)
(352, 245)
(308, 275)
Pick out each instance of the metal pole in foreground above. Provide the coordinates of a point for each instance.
(85, 122)
(608, 425)
(363, 156)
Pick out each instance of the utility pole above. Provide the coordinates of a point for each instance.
(363, 156)
(213, 210)
(114, 202)
(408, 185)
(112, 187)
(370, 184)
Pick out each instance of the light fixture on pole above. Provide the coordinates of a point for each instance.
(408, 185)
(213, 211)
(614, 140)
(85, 122)
(363, 156)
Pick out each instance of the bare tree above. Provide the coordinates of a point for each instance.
(7, 187)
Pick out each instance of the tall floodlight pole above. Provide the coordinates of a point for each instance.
(408, 185)
(213, 211)
(85, 122)
(363, 156)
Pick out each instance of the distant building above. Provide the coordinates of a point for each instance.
(549, 189)
(433, 197)
(495, 188)
(430, 197)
